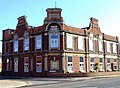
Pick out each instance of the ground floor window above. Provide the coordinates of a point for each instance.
(108, 67)
(38, 64)
(8, 64)
(54, 64)
(15, 64)
(115, 66)
(91, 66)
(101, 66)
(69, 68)
(26, 64)
(81, 67)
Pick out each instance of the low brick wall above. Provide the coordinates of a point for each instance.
(103, 73)
(82, 74)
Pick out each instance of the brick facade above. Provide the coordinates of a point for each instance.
(57, 48)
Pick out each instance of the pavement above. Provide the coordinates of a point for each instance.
(14, 82)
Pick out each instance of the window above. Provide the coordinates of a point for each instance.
(100, 46)
(26, 64)
(115, 64)
(69, 41)
(38, 42)
(91, 43)
(69, 58)
(54, 65)
(54, 40)
(81, 59)
(8, 64)
(15, 64)
(80, 43)
(108, 64)
(114, 48)
(15, 45)
(101, 60)
(92, 59)
(108, 60)
(101, 64)
(69, 68)
(81, 64)
(38, 64)
(108, 46)
(26, 44)
(92, 64)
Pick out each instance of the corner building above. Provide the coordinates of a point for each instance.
(56, 48)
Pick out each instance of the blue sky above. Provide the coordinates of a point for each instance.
(75, 13)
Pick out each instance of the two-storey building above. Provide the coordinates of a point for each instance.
(56, 47)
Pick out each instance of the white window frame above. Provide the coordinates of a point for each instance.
(15, 64)
(81, 64)
(80, 43)
(108, 65)
(100, 45)
(115, 64)
(114, 48)
(69, 41)
(70, 66)
(38, 43)
(26, 47)
(92, 65)
(91, 43)
(101, 64)
(108, 46)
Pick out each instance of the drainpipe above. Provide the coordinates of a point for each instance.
(86, 61)
(104, 53)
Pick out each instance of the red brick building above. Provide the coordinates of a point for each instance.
(56, 47)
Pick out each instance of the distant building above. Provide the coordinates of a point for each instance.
(56, 47)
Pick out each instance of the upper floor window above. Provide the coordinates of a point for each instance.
(54, 40)
(69, 41)
(26, 41)
(38, 42)
(108, 46)
(26, 44)
(91, 47)
(100, 45)
(15, 43)
(114, 48)
(80, 43)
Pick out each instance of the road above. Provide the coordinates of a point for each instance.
(97, 82)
